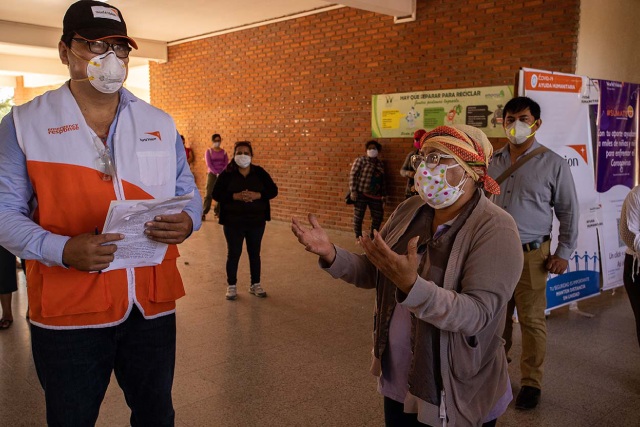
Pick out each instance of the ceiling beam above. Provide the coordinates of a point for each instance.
(26, 64)
(7, 81)
(396, 8)
(36, 36)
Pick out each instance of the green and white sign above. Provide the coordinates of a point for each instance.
(399, 115)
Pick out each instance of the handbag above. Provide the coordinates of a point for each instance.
(347, 199)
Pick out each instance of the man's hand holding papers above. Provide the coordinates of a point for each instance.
(148, 227)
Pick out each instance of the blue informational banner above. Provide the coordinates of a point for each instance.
(574, 285)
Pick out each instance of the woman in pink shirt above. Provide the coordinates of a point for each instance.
(217, 160)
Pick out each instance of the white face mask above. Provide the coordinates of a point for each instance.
(518, 132)
(242, 160)
(216, 145)
(372, 152)
(105, 72)
(432, 186)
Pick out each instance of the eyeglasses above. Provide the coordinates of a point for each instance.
(105, 165)
(431, 160)
(99, 47)
(104, 162)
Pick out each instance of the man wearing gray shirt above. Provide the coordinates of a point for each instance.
(531, 194)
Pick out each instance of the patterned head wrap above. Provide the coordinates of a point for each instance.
(469, 146)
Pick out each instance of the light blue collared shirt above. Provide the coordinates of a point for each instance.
(28, 240)
(534, 192)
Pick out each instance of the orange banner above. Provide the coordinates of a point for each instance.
(548, 82)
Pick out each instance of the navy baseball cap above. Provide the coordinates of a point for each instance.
(94, 20)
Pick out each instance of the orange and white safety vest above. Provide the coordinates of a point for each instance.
(72, 198)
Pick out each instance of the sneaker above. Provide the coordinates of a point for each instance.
(257, 290)
(232, 292)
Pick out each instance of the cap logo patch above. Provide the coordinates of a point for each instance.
(105, 12)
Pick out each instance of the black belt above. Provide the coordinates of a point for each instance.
(535, 244)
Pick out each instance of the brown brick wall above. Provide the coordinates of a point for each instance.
(300, 90)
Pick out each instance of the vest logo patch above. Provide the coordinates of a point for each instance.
(63, 129)
(155, 134)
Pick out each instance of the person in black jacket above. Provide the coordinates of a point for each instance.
(243, 191)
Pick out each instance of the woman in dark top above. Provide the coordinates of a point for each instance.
(243, 191)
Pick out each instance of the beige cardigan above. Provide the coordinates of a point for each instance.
(484, 266)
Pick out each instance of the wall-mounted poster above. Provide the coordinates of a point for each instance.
(399, 115)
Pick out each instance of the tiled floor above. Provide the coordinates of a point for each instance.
(301, 356)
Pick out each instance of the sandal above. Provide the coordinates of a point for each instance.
(5, 324)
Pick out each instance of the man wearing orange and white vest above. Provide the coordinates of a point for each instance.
(64, 157)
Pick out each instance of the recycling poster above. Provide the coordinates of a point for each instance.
(399, 115)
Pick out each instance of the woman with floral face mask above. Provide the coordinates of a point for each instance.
(243, 191)
(444, 267)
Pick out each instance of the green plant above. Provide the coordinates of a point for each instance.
(5, 106)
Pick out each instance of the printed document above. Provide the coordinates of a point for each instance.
(128, 217)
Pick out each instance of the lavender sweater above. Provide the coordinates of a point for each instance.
(216, 161)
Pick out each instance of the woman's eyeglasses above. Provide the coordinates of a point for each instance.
(431, 160)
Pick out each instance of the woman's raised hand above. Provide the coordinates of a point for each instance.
(314, 239)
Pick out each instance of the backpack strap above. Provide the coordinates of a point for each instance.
(520, 162)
